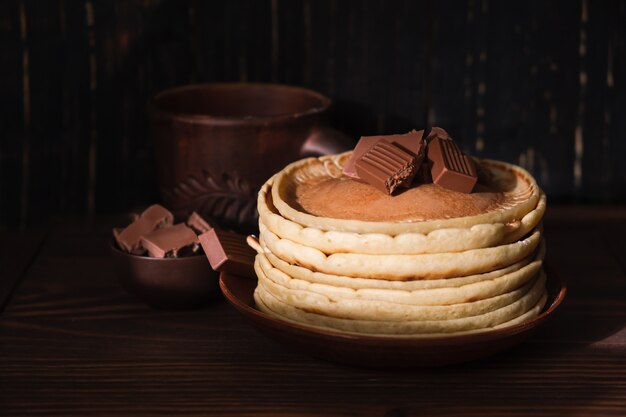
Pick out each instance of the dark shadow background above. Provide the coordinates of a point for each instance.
(539, 83)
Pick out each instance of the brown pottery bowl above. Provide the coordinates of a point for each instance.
(166, 283)
(216, 144)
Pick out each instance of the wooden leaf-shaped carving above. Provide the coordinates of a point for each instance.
(229, 200)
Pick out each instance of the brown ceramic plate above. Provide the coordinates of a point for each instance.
(386, 352)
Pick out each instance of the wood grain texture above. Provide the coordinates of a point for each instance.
(17, 252)
(72, 343)
(541, 84)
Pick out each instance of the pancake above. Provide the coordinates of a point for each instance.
(441, 240)
(389, 310)
(351, 308)
(401, 267)
(357, 283)
(532, 300)
(313, 192)
(445, 295)
(285, 312)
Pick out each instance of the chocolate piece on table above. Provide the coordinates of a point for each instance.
(451, 168)
(152, 218)
(410, 142)
(228, 252)
(169, 241)
(386, 166)
(197, 223)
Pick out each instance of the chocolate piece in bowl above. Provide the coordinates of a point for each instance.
(228, 252)
(386, 167)
(197, 223)
(451, 168)
(169, 242)
(408, 142)
(152, 218)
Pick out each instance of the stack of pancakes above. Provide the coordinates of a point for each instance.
(337, 253)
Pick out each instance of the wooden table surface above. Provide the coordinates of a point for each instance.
(73, 343)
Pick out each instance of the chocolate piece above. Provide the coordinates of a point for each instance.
(169, 241)
(152, 218)
(451, 168)
(197, 223)
(409, 142)
(228, 252)
(386, 166)
(422, 176)
(436, 132)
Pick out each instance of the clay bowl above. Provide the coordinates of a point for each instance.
(166, 283)
(386, 352)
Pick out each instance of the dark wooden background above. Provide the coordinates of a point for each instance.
(539, 83)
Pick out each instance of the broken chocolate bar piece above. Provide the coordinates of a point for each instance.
(197, 223)
(386, 166)
(228, 252)
(152, 218)
(451, 168)
(436, 132)
(168, 242)
(409, 142)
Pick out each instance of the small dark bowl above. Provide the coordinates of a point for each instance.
(167, 283)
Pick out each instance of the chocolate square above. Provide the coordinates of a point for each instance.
(169, 241)
(408, 142)
(229, 252)
(197, 223)
(386, 166)
(451, 168)
(152, 218)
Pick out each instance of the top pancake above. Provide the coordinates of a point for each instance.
(344, 198)
(315, 193)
